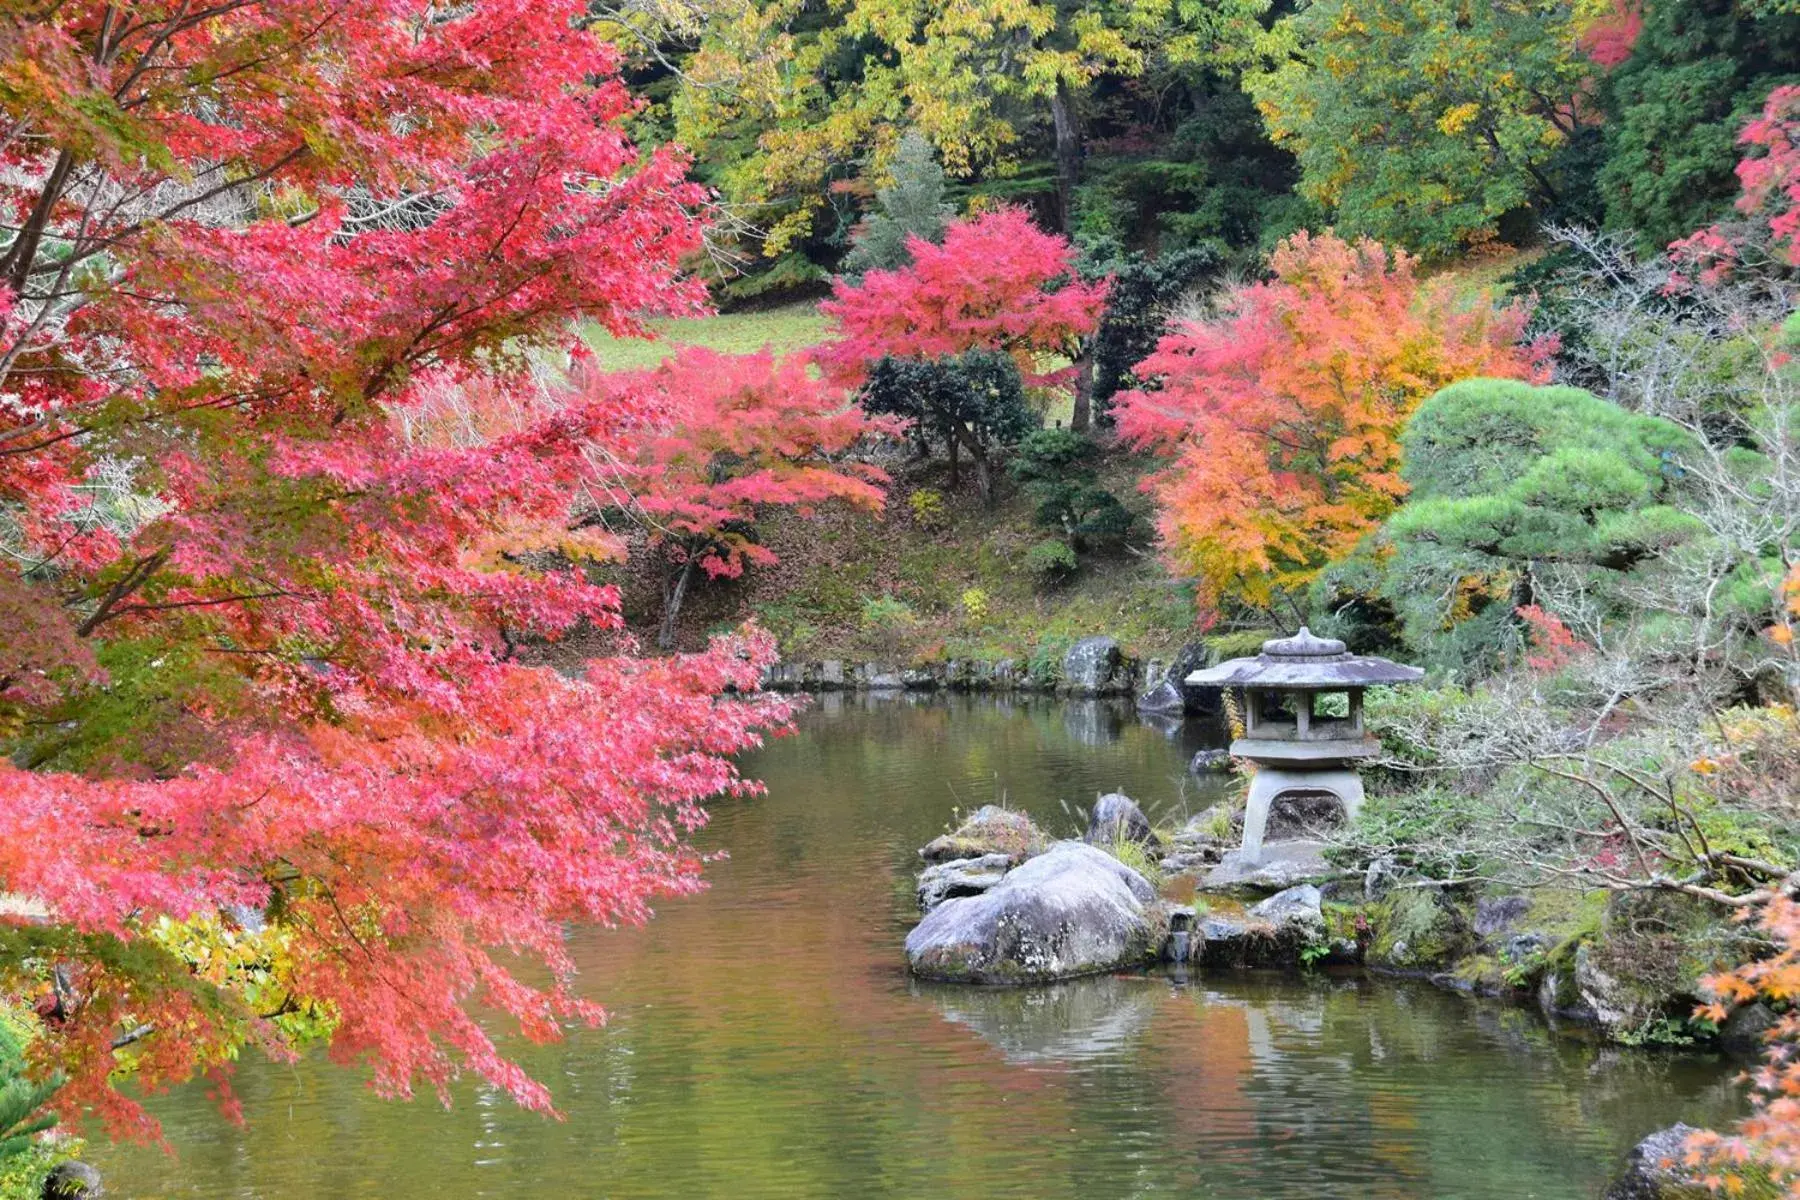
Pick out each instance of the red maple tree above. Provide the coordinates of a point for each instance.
(997, 282)
(731, 437)
(274, 767)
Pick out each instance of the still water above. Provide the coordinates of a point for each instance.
(765, 1040)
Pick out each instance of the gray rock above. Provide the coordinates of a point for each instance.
(73, 1181)
(1071, 911)
(1499, 914)
(1295, 906)
(1117, 818)
(831, 674)
(1164, 697)
(1206, 762)
(960, 877)
(990, 830)
(919, 679)
(879, 679)
(1745, 1031)
(1614, 1004)
(1381, 877)
(1281, 865)
(1095, 667)
(1654, 1170)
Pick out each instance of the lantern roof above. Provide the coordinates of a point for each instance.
(1308, 663)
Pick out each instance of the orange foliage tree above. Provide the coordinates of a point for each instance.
(1281, 415)
(1766, 1144)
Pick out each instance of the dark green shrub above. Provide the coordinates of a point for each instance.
(974, 403)
(1050, 561)
(1144, 294)
(1055, 467)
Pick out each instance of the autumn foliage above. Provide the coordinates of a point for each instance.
(731, 437)
(997, 282)
(1768, 203)
(1767, 1143)
(1280, 417)
(275, 769)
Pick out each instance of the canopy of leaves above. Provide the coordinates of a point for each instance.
(1423, 122)
(791, 97)
(974, 401)
(997, 282)
(1281, 417)
(1507, 480)
(1698, 70)
(246, 242)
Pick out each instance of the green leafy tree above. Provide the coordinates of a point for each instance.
(1698, 70)
(1512, 487)
(1142, 297)
(1056, 469)
(21, 1101)
(911, 205)
(795, 98)
(973, 403)
(1423, 122)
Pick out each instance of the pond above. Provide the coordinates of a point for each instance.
(765, 1040)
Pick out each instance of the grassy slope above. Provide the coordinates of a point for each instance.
(835, 561)
(785, 329)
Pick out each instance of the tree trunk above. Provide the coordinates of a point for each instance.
(984, 479)
(1068, 153)
(1083, 416)
(665, 635)
(955, 463)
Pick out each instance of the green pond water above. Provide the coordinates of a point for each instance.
(765, 1040)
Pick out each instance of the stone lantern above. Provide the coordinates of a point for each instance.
(1303, 722)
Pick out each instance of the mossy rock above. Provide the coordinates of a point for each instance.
(1418, 930)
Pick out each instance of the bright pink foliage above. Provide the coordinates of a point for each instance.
(251, 234)
(733, 435)
(997, 282)
(1769, 202)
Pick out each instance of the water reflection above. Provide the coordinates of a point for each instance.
(765, 1042)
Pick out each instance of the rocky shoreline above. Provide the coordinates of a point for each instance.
(1004, 904)
(1093, 667)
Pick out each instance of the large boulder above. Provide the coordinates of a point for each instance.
(991, 830)
(1096, 667)
(960, 877)
(1117, 818)
(1655, 1169)
(1071, 911)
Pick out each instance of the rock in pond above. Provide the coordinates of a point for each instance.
(991, 830)
(1165, 697)
(1654, 1169)
(1271, 934)
(1073, 910)
(960, 877)
(1280, 865)
(1117, 818)
(1095, 667)
(1206, 762)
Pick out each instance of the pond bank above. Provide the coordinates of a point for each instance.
(1628, 964)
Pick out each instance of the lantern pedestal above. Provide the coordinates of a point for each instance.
(1269, 784)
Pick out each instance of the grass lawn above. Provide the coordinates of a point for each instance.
(786, 329)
